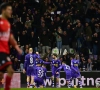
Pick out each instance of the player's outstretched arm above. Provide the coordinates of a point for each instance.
(46, 62)
(59, 68)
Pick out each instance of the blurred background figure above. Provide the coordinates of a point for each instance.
(89, 65)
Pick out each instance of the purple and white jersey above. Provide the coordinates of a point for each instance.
(74, 65)
(29, 61)
(55, 64)
(29, 64)
(40, 73)
(66, 68)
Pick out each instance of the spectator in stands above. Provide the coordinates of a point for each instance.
(52, 33)
(83, 64)
(89, 65)
(65, 42)
(21, 67)
(79, 35)
(44, 40)
(58, 22)
(97, 28)
(27, 47)
(88, 33)
(95, 44)
(28, 22)
(67, 58)
(59, 39)
(16, 64)
(26, 51)
(50, 9)
(95, 64)
(23, 39)
(33, 40)
(43, 28)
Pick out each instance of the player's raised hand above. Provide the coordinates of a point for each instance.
(37, 52)
(24, 71)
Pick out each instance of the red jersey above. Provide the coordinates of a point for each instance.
(4, 35)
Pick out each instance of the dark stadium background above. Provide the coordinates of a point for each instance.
(39, 23)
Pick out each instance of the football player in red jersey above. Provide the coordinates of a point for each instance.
(6, 38)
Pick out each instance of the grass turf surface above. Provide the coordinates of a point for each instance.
(56, 89)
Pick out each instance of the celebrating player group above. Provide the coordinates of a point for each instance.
(35, 69)
(34, 66)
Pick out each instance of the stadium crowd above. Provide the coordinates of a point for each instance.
(65, 24)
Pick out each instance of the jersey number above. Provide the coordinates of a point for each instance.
(31, 60)
(40, 73)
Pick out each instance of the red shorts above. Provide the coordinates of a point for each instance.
(4, 61)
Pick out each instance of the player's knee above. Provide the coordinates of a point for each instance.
(57, 79)
(32, 77)
(28, 78)
(52, 77)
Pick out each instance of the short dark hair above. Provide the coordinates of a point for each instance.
(4, 6)
(63, 61)
(55, 54)
(44, 65)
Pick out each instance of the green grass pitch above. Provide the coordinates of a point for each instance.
(56, 89)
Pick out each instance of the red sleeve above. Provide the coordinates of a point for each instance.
(4, 25)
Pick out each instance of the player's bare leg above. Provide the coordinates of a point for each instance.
(72, 85)
(57, 82)
(28, 81)
(8, 78)
(80, 82)
(32, 82)
(68, 83)
(52, 78)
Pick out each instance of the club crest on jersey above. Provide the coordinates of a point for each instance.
(8, 59)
